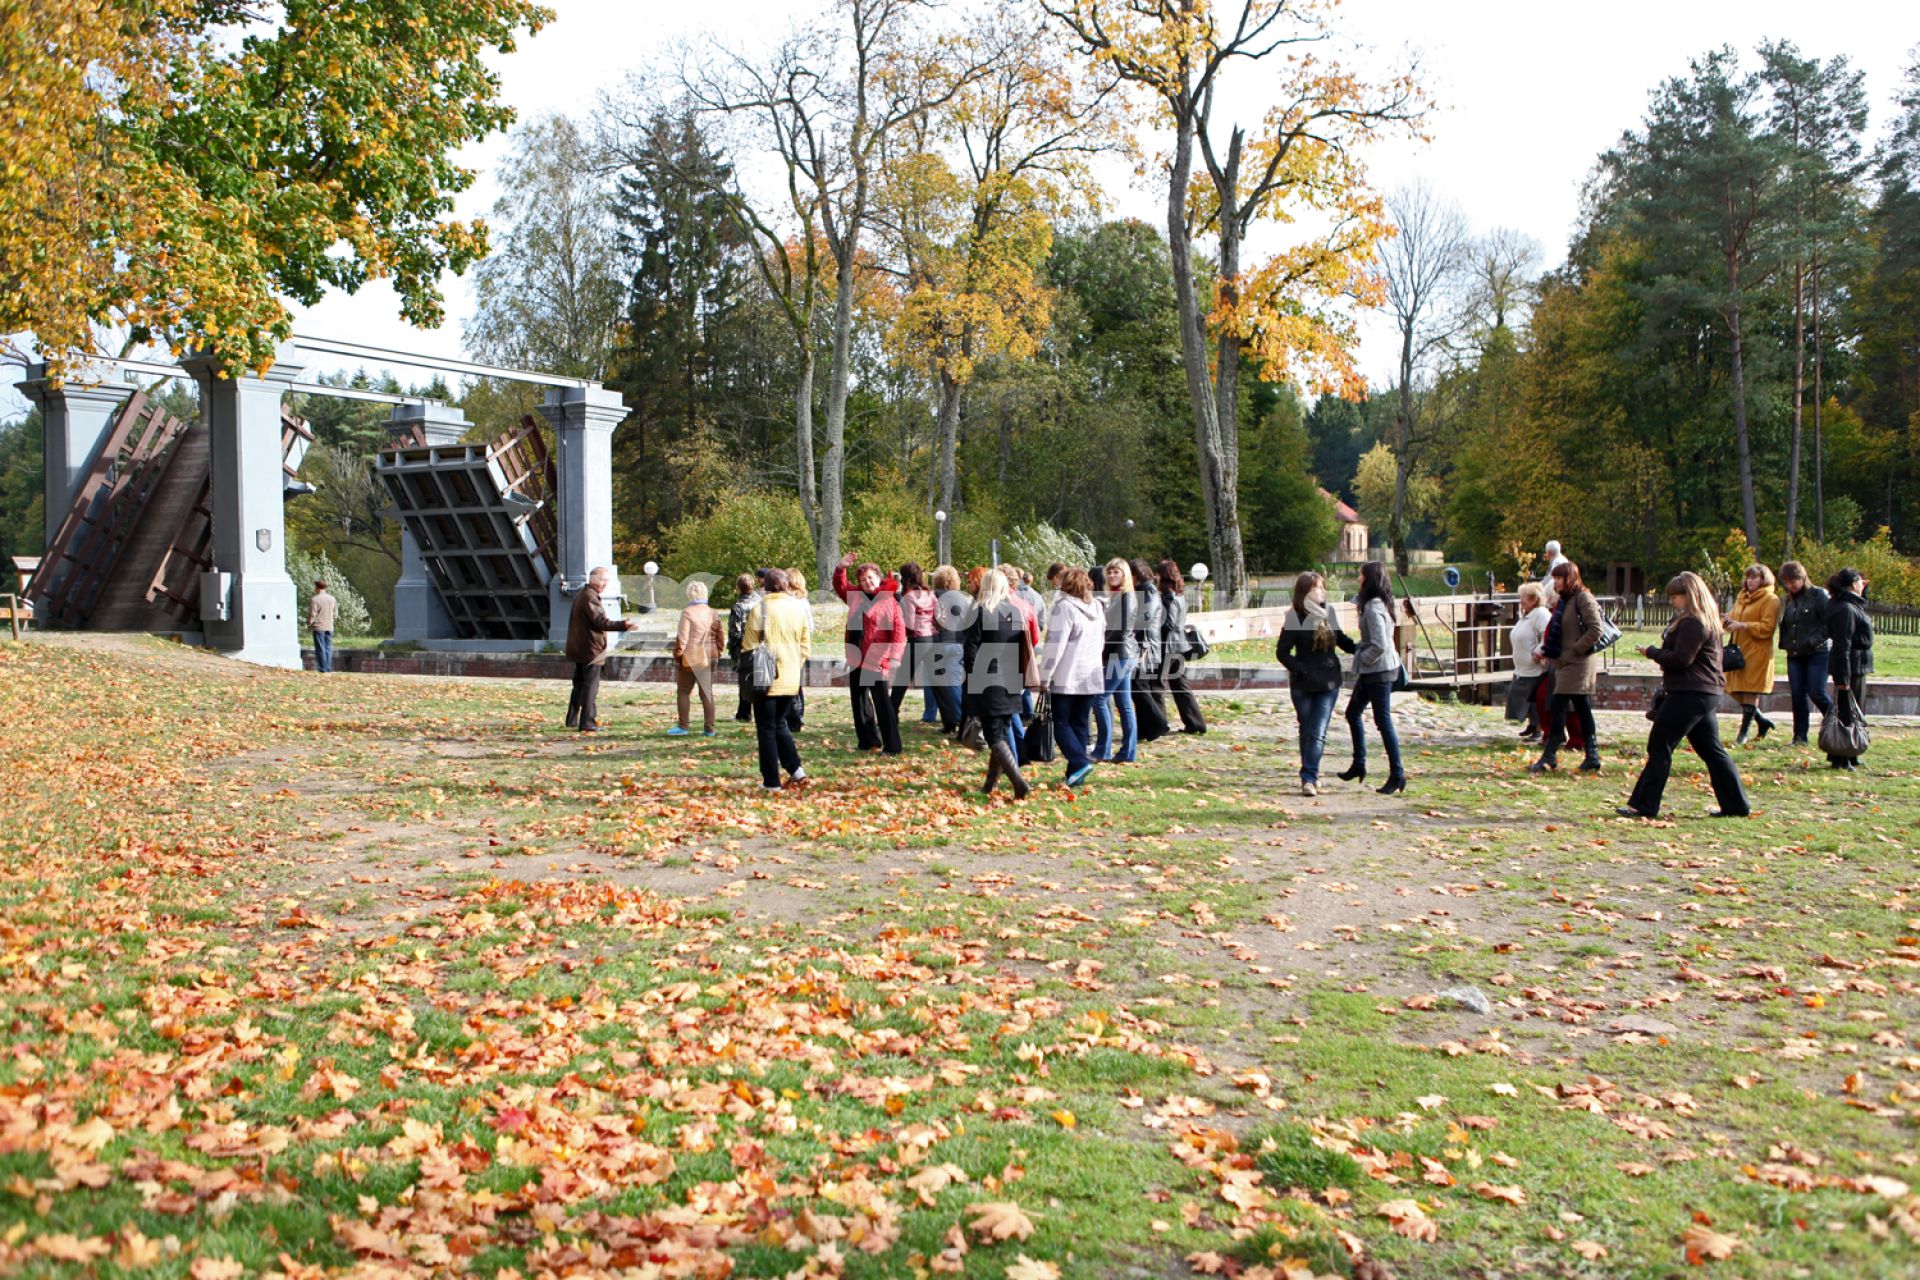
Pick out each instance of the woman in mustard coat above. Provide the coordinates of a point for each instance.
(1752, 621)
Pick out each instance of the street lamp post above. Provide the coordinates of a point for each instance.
(941, 549)
(1199, 574)
(650, 569)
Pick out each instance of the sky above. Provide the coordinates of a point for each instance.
(1528, 94)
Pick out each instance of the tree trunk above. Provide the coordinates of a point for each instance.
(947, 448)
(833, 467)
(1799, 401)
(1402, 454)
(803, 442)
(1740, 442)
(1819, 452)
(1221, 502)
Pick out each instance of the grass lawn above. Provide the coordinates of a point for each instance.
(304, 975)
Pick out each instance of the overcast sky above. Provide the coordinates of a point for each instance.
(1529, 94)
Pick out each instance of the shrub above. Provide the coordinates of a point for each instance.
(1891, 577)
(752, 529)
(1034, 547)
(888, 523)
(351, 618)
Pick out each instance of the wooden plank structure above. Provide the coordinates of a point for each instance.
(175, 583)
(106, 510)
(483, 516)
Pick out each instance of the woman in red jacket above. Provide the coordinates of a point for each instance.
(876, 640)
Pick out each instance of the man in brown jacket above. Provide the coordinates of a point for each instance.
(587, 628)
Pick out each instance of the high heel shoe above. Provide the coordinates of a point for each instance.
(1354, 773)
(1395, 783)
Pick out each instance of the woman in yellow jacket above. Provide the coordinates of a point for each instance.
(1752, 621)
(783, 625)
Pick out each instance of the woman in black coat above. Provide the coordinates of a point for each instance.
(1692, 682)
(997, 656)
(1309, 647)
(1850, 632)
(1149, 713)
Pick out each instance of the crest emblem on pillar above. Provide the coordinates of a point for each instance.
(263, 539)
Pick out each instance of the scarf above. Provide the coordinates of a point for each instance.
(1316, 617)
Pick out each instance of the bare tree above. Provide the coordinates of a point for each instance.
(1501, 270)
(1424, 266)
(823, 106)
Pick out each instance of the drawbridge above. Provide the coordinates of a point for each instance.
(129, 552)
(482, 517)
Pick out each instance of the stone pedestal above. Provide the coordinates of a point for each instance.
(248, 607)
(583, 420)
(419, 614)
(77, 415)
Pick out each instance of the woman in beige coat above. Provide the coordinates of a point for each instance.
(696, 651)
(1572, 635)
(1752, 622)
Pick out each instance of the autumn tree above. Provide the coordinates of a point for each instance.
(1300, 165)
(824, 106)
(172, 169)
(971, 196)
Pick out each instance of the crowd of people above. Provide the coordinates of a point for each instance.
(1086, 668)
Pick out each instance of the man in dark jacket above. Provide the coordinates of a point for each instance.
(1803, 638)
(1851, 633)
(587, 628)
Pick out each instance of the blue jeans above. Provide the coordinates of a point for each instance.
(1807, 681)
(1315, 712)
(1377, 694)
(1119, 689)
(1070, 726)
(323, 652)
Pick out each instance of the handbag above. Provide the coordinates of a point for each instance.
(1659, 700)
(1401, 680)
(766, 667)
(1731, 659)
(973, 735)
(1609, 635)
(1844, 736)
(1036, 745)
(1197, 646)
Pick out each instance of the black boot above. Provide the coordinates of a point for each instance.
(1005, 761)
(1355, 772)
(1396, 782)
(1765, 725)
(1592, 763)
(1746, 723)
(1549, 759)
(994, 765)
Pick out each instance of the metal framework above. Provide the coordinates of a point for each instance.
(175, 585)
(483, 517)
(105, 512)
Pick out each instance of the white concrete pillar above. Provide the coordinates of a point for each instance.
(583, 420)
(419, 614)
(77, 415)
(248, 608)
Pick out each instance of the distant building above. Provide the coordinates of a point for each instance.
(1353, 532)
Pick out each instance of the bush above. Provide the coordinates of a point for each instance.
(888, 523)
(753, 529)
(351, 618)
(1034, 547)
(1891, 577)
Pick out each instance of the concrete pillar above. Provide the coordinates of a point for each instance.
(583, 420)
(77, 415)
(248, 608)
(419, 614)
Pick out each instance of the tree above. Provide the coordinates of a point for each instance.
(1818, 114)
(971, 199)
(1703, 178)
(686, 316)
(1302, 158)
(549, 296)
(1890, 303)
(825, 105)
(1424, 264)
(171, 169)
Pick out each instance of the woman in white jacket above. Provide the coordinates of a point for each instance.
(1071, 670)
(1529, 634)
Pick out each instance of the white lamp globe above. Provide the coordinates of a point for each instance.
(650, 568)
(1199, 572)
(940, 516)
